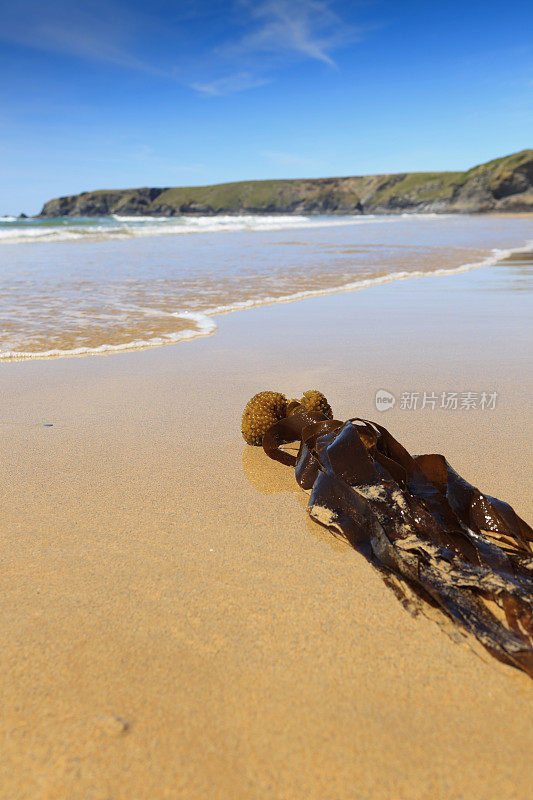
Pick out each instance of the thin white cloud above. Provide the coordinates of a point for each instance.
(275, 33)
(75, 41)
(265, 37)
(187, 168)
(308, 28)
(229, 84)
(101, 32)
(290, 159)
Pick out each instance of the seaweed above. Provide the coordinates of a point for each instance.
(417, 519)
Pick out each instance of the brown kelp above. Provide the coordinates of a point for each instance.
(461, 550)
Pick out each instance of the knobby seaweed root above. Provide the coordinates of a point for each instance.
(266, 408)
(313, 400)
(262, 411)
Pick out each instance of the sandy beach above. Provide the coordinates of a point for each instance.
(173, 624)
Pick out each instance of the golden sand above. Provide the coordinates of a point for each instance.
(174, 626)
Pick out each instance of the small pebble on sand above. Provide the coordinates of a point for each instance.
(112, 725)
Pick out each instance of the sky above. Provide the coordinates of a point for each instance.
(117, 93)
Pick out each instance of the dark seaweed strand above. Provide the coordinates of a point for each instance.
(458, 548)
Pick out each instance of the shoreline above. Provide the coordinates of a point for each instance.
(207, 327)
(174, 625)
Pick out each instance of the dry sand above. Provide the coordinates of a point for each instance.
(174, 626)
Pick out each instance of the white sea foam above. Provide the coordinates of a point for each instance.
(203, 327)
(119, 227)
(206, 326)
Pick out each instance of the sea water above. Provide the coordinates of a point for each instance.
(84, 286)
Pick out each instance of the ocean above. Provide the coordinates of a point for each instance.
(92, 286)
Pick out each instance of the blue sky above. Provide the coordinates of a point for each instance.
(116, 94)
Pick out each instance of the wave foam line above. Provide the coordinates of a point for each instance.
(206, 326)
(152, 226)
(496, 256)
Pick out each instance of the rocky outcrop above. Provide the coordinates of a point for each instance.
(505, 184)
(102, 203)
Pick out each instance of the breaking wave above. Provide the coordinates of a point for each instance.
(68, 229)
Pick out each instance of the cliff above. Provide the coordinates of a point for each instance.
(505, 184)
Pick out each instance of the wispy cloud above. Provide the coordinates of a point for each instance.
(101, 32)
(230, 84)
(270, 35)
(308, 28)
(186, 168)
(291, 159)
(251, 40)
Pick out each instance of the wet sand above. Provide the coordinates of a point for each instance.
(174, 626)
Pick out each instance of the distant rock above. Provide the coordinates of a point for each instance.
(505, 184)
